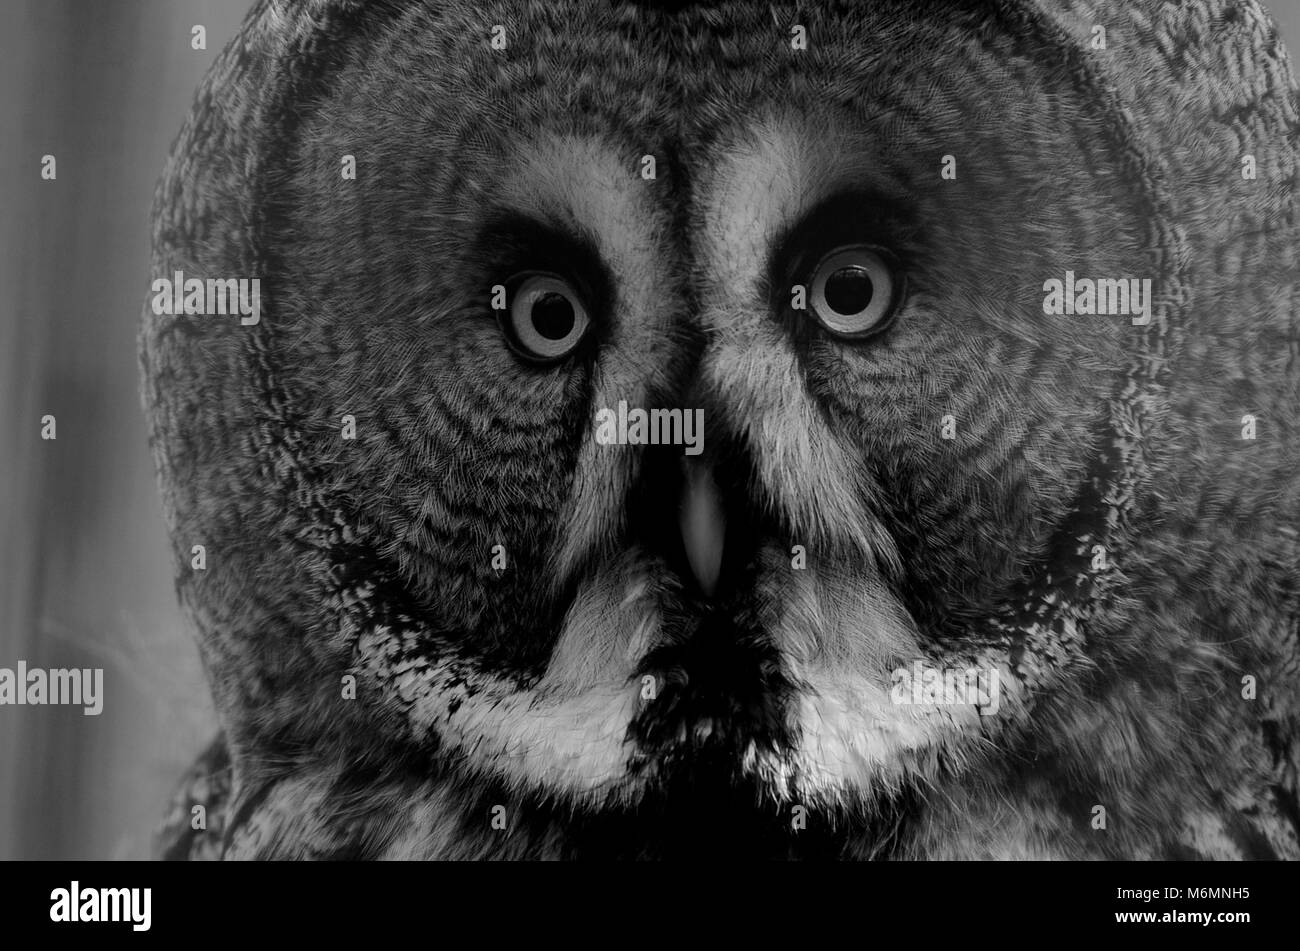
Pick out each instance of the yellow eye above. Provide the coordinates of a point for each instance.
(854, 292)
(546, 319)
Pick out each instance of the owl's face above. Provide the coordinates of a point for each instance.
(882, 469)
(837, 264)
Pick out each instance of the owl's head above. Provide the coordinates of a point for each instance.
(670, 423)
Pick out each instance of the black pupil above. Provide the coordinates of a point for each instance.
(849, 290)
(553, 316)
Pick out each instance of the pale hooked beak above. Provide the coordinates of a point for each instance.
(703, 522)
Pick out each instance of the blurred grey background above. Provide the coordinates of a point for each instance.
(85, 580)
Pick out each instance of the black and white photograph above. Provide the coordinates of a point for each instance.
(676, 432)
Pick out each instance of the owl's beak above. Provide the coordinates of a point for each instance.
(703, 522)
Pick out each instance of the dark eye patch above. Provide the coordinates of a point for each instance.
(842, 218)
(509, 243)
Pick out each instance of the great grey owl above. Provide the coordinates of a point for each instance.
(986, 311)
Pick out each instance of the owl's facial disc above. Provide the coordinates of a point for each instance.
(602, 625)
(657, 611)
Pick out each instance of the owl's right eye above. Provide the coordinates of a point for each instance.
(545, 319)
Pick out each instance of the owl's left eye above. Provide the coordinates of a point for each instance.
(546, 318)
(855, 292)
